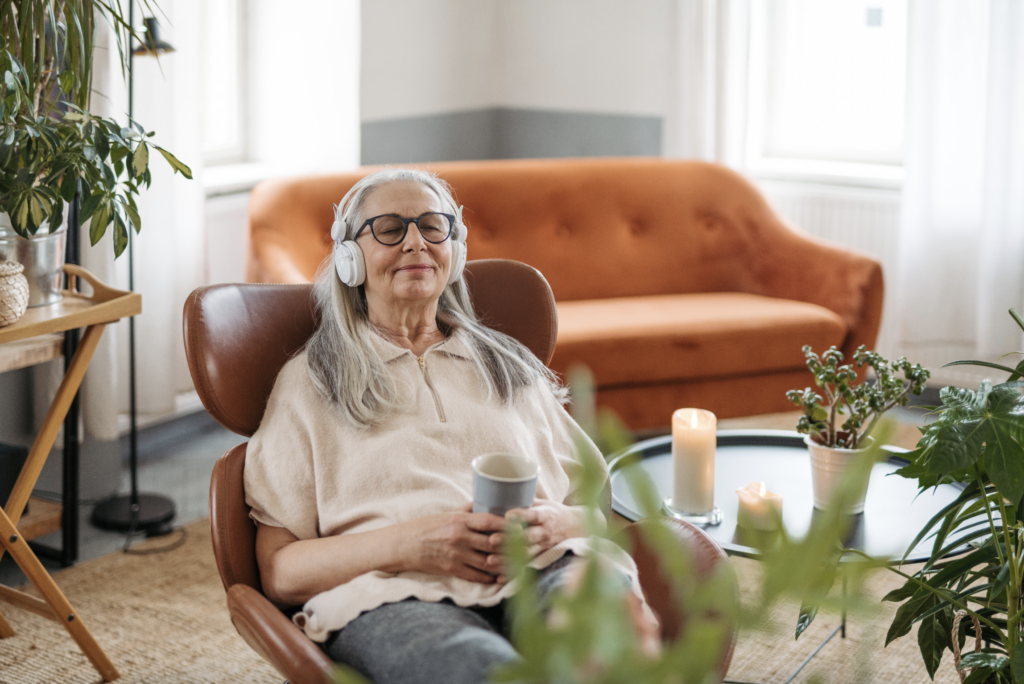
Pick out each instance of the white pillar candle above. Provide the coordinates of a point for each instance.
(756, 506)
(693, 460)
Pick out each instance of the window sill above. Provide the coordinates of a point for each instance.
(232, 179)
(845, 174)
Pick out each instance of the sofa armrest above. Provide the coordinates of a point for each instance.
(276, 638)
(705, 555)
(793, 265)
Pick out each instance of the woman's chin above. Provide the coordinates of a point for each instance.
(418, 291)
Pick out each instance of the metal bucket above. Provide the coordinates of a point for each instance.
(42, 255)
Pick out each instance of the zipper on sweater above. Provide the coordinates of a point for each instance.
(433, 392)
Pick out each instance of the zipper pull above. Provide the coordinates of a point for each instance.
(423, 364)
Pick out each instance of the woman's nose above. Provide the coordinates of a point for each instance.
(413, 240)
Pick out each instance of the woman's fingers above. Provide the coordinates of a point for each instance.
(485, 522)
(472, 574)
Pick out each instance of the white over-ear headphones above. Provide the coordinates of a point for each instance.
(348, 256)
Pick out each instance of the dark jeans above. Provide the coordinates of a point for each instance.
(416, 642)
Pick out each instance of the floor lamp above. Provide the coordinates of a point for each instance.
(146, 512)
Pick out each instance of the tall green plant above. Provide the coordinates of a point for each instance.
(50, 145)
(977, 438)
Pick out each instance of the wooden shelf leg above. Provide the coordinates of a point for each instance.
(42, 581)
(51, 424)
(5, 628)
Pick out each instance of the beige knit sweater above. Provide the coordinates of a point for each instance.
(308, 470)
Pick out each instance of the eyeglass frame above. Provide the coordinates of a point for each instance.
(405, 231)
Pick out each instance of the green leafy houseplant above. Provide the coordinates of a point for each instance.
(977, 438)
(50, 145)
(863, 403)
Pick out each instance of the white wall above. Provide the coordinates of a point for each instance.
(600, 56)
(423, 57)
(596, 56)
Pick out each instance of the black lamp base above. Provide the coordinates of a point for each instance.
(153, 518)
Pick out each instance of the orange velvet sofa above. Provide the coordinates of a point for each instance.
(676, 283)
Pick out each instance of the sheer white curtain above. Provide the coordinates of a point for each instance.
(169, 252)
(705, 115)
(962, 232)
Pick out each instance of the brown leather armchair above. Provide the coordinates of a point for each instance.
(237, 338)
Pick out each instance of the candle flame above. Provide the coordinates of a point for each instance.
(693, 420)
(762, 489)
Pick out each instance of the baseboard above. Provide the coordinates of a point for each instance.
(155, 441)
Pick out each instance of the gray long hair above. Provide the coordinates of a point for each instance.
(343, 364)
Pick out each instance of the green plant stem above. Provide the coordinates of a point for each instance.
(988, 512)
(879, 414)
(1012, 588)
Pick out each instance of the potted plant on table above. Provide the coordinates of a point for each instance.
(832, 447)
(976, 439)
(51, 147)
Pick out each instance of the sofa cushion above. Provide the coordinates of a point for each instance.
(666, 338)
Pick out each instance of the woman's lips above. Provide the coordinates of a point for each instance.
(417, 268)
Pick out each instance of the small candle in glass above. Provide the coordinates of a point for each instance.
(756, 507)
(693, 460)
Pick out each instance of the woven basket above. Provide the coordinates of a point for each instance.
(13, 292)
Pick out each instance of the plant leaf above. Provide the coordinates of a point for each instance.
(906, 614)
(175, 164)
(931, 640)
(992, 661)
(140, 159)
(120, 236)
(908, 589)
(1018, 662)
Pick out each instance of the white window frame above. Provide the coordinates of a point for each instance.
(755, 80)
(239, 152)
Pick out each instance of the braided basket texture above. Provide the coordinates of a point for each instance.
(13, 292)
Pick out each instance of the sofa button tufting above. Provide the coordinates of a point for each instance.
(562, 231)
(636, 228)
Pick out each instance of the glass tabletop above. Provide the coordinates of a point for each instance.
(893, 514)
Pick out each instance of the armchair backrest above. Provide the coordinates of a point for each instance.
(238, 337)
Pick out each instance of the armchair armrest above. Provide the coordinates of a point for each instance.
(276, 638)
(657, 588)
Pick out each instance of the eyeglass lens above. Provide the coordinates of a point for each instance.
(390, 230)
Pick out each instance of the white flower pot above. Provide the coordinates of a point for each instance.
(827, 467)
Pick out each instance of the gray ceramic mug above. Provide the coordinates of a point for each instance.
(502, 482)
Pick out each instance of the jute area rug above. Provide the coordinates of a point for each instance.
(160, 618)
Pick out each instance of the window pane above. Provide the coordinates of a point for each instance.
(222, 85)
(835, 76)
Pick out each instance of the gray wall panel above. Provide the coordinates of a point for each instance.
(440, 137)
(529, 133)
(504, 133)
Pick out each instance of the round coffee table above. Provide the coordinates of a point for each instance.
(893, 514)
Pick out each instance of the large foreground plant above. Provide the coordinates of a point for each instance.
(977, 439)
(50, 145)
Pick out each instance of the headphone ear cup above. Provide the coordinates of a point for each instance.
(458, 261)
(349, 264)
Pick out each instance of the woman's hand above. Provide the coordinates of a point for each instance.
(460, 544)
(550, 523)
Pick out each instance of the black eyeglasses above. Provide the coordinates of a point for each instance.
(390, 229)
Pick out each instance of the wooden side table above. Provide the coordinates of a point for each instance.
(31, 340)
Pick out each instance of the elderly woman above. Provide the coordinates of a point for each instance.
(359, 476)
